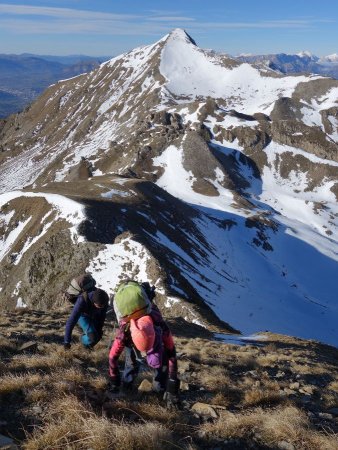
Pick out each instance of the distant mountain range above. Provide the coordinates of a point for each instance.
(25, 77)
(301, 62)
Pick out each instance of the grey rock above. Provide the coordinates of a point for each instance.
(37, 409)
(184, 386)
(203, 409)
(307, 390)
(325, 416)
(295, 385)
(78, 361)
(284, 445)
(145, 386)
(28, 346)
(280, 374)
(290, 391)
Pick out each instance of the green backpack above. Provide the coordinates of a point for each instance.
(131, 301)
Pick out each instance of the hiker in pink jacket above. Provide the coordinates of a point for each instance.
(150, 335)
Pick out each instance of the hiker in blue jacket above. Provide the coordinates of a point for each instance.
(89, 311)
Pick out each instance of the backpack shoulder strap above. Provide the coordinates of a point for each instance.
(85, 296)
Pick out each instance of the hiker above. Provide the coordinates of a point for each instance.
(143, 331)
(89, 311)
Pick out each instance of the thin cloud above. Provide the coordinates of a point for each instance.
(74, 27)
(170, 19)
(62, 13)
(28, 19)
(290, 23)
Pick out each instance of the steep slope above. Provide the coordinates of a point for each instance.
(216, 179)
(257, 392)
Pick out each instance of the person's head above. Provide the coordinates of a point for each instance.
(100, 298)
(142, 333)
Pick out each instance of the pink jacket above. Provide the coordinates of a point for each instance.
(162, 351)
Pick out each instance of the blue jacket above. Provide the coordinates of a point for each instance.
(86, 308)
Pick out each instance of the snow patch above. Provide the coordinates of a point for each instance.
(178, 182)
(127, 259)
(115, 192)
(236, 339)
(191, 72)
(7, 243)
(70, 210)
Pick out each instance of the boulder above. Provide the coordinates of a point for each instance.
(205, 410)
(145, 386)
(284, 445)
(30, 346)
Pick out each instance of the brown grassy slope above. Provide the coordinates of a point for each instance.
(282, 393)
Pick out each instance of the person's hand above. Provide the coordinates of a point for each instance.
(113, 391)
(171, 395)
(66, 345)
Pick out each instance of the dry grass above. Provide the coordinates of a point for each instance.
(255, 397)
(13, 383)
(38, 394)
(99, 382)
(269, 360)
(65, 392)
(38, 362)
(215, 378)
(247, 361)
(309, 369)
(333, 386)
(268, 427)
(6, 346)
(73, 425)
(221, 399)
(43, 333)
(329, 400)
(148, 410)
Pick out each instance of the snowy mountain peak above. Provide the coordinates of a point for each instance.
(307, 54)
(331, 58)
(178, 34)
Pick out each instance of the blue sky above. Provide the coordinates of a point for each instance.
(110, 27)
